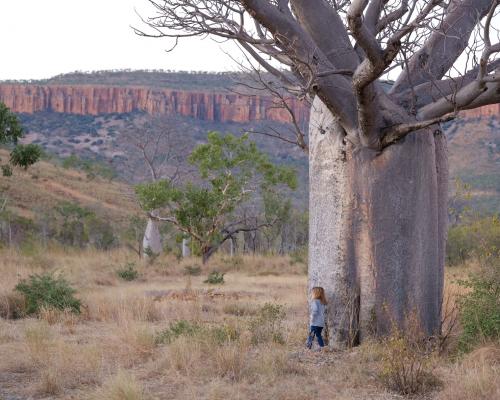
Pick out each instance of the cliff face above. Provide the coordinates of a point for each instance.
(208, 106)
(96, 100)
(485, 111)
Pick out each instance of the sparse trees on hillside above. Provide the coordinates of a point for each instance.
(234, 176)
(378, 163)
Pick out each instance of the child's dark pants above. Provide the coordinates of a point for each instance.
(315, 331)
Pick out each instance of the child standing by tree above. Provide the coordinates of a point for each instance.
(317, 316)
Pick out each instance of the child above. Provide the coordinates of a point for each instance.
(317, 318)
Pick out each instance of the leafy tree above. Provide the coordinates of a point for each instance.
(234, 178)
(10, 132)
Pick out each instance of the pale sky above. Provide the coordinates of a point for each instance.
(43, 38)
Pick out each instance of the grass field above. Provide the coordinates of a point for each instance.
(128, 343)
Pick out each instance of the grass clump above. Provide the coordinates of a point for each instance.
(192, 270)
(267, 324)
(223, 334)
(48, 291)
(215, 278)
(128, 272)
(123, 386)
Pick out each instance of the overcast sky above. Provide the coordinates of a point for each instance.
(43, 38)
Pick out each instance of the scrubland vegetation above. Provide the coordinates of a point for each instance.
(159, 331)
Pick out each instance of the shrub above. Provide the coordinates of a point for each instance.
(176, 329)
(193, 270)
(408, 359)
(480, 308)
(6, 170)
(25, 155)
(215, 278)
(267, 325)
(48, 291)
(128, 272)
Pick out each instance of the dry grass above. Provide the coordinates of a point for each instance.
(122, 386)
(476, 377)
(61, 355)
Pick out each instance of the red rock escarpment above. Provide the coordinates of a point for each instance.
(96, 100)
(209, 106)
(485, 111)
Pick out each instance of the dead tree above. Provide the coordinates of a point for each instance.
(378, 163)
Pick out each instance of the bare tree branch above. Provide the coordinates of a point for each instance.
(445, 44)
(396, 133)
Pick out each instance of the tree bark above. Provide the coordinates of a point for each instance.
(377, 229)
(186, 250)
(152, 238)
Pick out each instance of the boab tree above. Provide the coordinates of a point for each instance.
(378, 164)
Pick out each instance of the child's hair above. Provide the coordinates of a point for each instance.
(318, 292)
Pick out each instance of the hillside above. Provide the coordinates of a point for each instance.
(33, 194)
(184, 80)
(474, 157)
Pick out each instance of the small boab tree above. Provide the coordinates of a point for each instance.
(235, 179)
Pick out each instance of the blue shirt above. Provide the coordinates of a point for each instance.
(317, 313)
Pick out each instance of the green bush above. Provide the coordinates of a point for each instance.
(25, 155)
(128, 272)
(176, 329)
(6, 170)
(480, 308)
(267, 325)
(215, 278)
(48, 291)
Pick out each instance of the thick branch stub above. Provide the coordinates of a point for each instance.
(398, 132)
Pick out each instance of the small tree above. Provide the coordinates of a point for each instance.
(234, 176)
(10, 132)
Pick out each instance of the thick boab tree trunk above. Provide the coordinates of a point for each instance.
(377, 229)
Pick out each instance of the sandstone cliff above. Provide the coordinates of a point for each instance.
(96, 100)
(204, 105)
